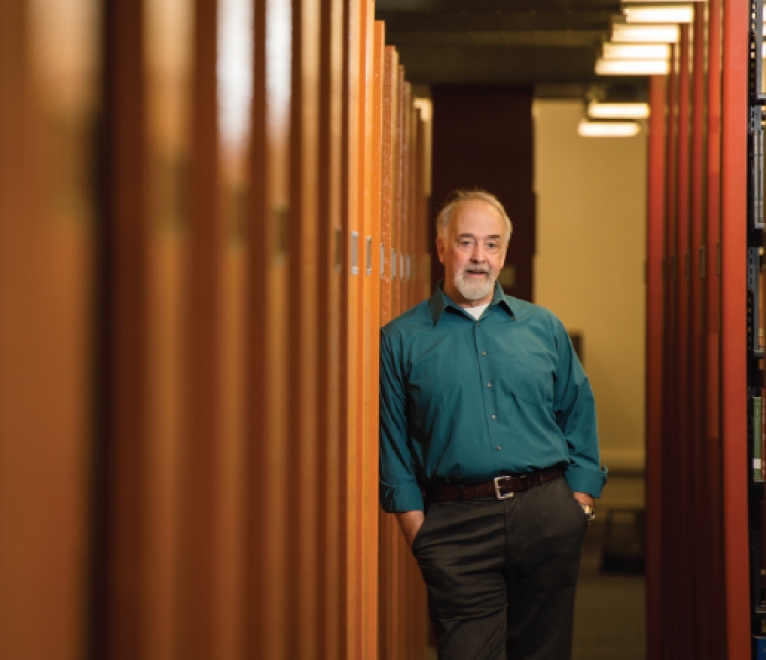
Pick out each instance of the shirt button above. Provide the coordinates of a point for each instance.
(478, 324)
(494, 416)
(489, 384)
(498, 448)
(484, 353)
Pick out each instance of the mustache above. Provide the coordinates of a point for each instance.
(475, 269)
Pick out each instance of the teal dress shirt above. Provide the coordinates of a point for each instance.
(465, 400)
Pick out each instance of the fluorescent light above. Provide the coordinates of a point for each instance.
(620, 51)
(598, 110)
(658, 13)
(648, 34)
(608, 128)
(632, 67)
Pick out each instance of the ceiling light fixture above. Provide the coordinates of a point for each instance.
(608, 128)
(598, 110)
(632, 67)
(658, 13)
(621, 51)
(648, 34)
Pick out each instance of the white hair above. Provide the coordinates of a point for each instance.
(458, 197)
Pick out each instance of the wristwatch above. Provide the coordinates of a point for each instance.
(590, 512)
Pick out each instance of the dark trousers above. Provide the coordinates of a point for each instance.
(501, 574)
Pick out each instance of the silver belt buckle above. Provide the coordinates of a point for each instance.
(498, 494)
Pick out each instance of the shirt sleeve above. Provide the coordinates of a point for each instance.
(399, 489)
(575, 409)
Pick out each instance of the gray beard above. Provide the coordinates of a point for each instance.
(474, 290)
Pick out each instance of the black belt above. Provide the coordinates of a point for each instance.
(499, 487)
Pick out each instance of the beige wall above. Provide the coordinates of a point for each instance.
(589, 266)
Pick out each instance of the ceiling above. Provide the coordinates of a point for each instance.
(551, 44)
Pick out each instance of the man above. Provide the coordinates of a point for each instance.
(489, 451)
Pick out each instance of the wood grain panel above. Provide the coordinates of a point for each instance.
(128, 339)
(388, 174)
(422, 292)
(166, 263)
(303, 346)
(371, 325)
(268, 467)
(389, 530)
(349, 393)
(47, 220)
(679, 450)
(236, 353)
(397, 299)
(700, 540)
(712, 501)
(229, 187)
(694, 459)
(733, 310)
(199, 625)
(402, 614)
(227, 609)
(328, 329)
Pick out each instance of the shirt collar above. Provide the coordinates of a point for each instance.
(439, 301)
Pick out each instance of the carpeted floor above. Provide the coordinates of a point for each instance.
(610, 620)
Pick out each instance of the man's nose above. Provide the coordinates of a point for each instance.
(478, 253)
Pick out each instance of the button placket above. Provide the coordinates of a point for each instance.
(489, 402)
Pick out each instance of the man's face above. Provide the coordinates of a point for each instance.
(472, 253)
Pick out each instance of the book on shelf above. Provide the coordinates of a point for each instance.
(757, 438)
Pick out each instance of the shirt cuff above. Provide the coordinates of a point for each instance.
(586, 480)
(396, 499)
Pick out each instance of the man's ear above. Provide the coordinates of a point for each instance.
(440, 248)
